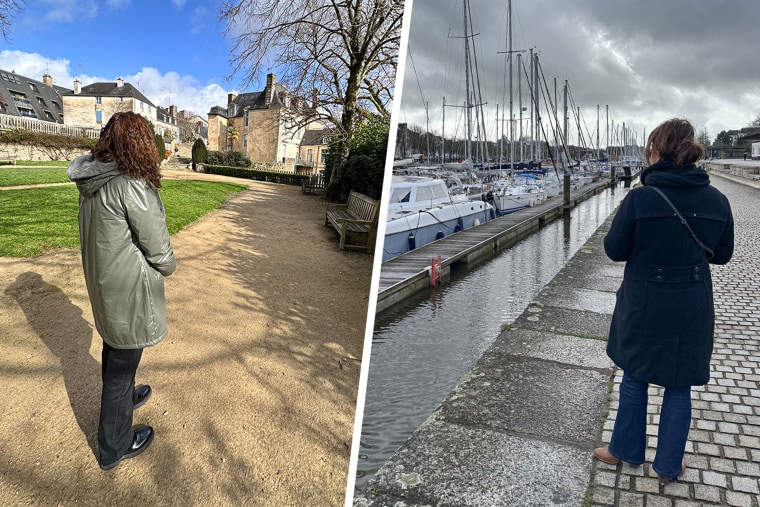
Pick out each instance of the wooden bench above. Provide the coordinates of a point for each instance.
(358, 217)
(316, 182)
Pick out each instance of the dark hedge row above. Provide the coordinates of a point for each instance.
(257, 174)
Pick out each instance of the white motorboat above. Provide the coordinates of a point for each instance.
(421, 210)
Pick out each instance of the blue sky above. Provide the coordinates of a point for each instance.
(172, 50)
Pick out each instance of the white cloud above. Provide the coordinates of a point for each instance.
(68, 11)
(166, 89)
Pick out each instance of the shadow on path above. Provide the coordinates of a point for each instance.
(60, 326)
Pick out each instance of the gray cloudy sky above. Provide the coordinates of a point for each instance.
(648, 60)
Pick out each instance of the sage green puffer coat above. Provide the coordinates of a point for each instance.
(126, 253)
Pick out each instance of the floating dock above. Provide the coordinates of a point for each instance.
(413, 271)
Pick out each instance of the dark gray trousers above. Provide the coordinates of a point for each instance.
(115, 433)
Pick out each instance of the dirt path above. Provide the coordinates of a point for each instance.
(254, 389)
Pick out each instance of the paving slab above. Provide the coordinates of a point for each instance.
(447, 464)
(530, 397)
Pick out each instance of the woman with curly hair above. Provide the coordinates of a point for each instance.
(668, 231)
(126, 253)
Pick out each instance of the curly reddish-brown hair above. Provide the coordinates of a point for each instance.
(128, 141)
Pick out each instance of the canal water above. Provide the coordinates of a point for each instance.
(423, 346)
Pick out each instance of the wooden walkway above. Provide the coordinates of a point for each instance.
(409, 273)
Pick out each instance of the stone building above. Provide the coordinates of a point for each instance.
(93, 105)
(266, 126)
(315, 145)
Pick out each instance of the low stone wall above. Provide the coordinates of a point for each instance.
(749, 169)
(20, 152)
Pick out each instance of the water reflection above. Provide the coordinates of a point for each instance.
(422, 347)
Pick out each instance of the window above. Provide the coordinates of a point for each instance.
(98, 100)
(246, 118)
(308, 155)
(323, 158)
(400, 194)
(41, 101)
(324, 140)
(26, 112)
(49, 115)
(56, 104)
(98, 116)
(20, 98)
(33, 87)
(245, 140)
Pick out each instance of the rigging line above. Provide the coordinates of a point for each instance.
(535, 98)
(578, 120)
(555, 125)
(482, 122)
(561, 136)
(417, 77)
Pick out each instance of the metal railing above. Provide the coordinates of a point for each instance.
(9, 122)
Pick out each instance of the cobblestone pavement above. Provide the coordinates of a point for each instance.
(723, 451)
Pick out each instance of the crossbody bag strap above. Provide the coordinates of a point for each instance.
(704, 247)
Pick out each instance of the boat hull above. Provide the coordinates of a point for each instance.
(416, 229)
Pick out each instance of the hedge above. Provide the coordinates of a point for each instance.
(257, 174)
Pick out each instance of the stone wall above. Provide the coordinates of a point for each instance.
(20, 152)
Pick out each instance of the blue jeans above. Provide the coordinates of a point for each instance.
(629, 440)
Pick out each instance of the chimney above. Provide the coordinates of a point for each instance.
(269, 90)
(173, 111)
(77, 87)
(119, 82)
(47, 79)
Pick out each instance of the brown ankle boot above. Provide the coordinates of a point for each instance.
(603, 455)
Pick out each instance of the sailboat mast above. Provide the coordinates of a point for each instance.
(537, 104)
(443, 131)
(532, 92)
(468, 126)
(519, 104)
(511, 113)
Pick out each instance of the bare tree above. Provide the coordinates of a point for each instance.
(755, 122)
(340, 53)
(703, 137)
(8, 9)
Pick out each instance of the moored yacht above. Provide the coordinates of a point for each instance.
(421, 210)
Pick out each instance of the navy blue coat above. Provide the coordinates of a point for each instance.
(663, 323)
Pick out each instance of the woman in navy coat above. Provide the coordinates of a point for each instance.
(662, 326)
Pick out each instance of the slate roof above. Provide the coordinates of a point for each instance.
(106, 89)
(251, 100)
(314, 137)
(29, 98)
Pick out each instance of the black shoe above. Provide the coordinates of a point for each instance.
(143, 438)
(142, 393)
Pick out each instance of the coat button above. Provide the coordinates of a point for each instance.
(658, 278)
(659, 270)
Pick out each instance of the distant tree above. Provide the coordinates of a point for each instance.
(198, 152)
(703, 137)
(8, 9)
(233, 134)
(723, 138)
(343, 53)
(755, 122)
(186, 129)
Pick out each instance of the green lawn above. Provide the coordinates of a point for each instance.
(35, 220)
(11, 176)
